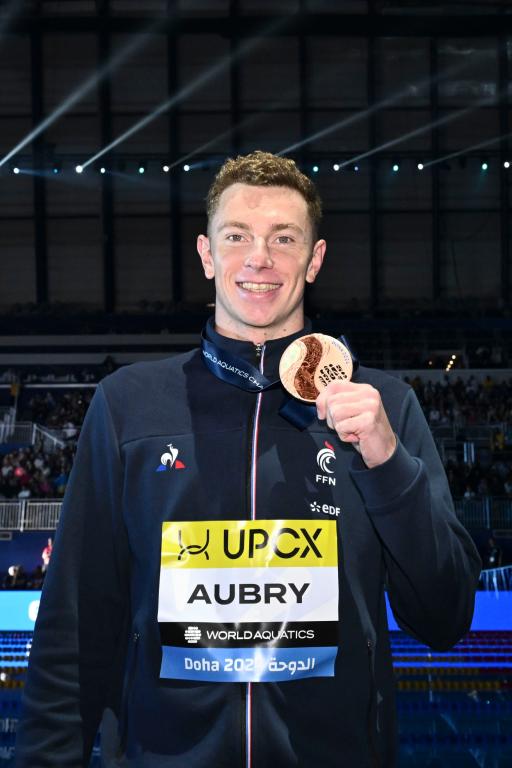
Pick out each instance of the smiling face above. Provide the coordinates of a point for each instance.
(260, 253)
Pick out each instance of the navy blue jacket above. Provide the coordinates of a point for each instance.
(97, 648)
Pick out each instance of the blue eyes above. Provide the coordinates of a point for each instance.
(280, 240)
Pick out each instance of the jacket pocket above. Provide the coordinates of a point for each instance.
(372, 711)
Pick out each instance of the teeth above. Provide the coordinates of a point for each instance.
(261, 287)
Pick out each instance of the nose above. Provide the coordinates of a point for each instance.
(259, 255)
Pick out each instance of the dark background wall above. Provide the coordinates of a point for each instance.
(354, 83)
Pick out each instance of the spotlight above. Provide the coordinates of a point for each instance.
(315, 169)
(16, 170)
(186, 167)
(396, 168)
(79, 169)
(142, 168)
(57, 167)
(506, 164)
(336, 167)
(165, 168)
(103, 169)
(420, 166)
(355, 168)
(485, 165)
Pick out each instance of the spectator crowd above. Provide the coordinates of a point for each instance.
(65, 411)
(466, 403)
(459, 404)
(32, 473)
(36, 472)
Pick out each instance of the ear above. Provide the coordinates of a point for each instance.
(316, 261)
(205, 254)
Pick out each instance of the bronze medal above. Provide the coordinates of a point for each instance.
(310, 363)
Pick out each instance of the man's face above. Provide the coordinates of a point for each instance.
(260, 253)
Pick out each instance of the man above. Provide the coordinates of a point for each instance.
(227, 564)
(46, 554)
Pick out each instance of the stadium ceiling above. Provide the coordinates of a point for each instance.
(385, 19)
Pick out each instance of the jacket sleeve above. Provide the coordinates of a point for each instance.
(432, 564)
(83, 608)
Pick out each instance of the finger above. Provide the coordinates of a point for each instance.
(341, 409)
(353, 439)
(339, 385)
(321, 405)
(354, 425)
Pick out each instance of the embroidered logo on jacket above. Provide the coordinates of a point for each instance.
(327, 509)
(324, 458)
(169, 460)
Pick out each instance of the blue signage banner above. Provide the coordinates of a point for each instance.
(493, 611)
(18, 609)
(231, 665)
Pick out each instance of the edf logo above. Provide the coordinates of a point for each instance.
(327, 509)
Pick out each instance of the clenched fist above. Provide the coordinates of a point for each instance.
(356, 413)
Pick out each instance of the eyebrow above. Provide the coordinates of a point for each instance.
(246, 227)
(236, 224)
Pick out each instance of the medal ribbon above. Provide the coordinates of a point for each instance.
(234, 370)
(242, 374)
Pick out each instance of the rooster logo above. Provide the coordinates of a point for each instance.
(325, 456)
(169, 460)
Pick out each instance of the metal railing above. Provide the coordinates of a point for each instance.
(30, 515)
(7, 413)
(50, 439)
(496, 579)
(27, 433)
(43, 514)
(11, 515)
(19, 432)
(489, 512)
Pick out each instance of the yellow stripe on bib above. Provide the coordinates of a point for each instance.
(249, 543)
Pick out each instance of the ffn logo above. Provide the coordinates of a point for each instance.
(323, 459)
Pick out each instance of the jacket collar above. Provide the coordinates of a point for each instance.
(247, 350)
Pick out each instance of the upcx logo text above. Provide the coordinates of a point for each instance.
(285, 543)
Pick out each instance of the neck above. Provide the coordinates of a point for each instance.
(257, 336)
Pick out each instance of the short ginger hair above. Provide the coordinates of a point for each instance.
(263, 169)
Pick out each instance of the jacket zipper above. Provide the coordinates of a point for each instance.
(258, 349)
(246, 687)
(374, 757)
